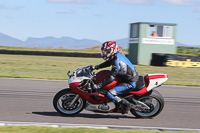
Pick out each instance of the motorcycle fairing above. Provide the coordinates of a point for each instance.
(151, 81)
(88, 96)
(156, 80)
(108, 107)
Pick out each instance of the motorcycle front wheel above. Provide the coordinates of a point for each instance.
(154, 101)
(63, 99)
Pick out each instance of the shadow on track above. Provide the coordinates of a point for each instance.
(84, 115)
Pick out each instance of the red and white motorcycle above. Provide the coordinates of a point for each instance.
(145, 101)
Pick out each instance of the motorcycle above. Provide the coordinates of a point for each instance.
(145, 101)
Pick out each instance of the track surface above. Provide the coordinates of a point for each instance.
(24, 100)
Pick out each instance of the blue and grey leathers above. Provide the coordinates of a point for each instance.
(124, 70)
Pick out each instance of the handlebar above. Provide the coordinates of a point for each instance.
(88, 69)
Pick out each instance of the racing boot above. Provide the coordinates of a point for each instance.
(125, 106)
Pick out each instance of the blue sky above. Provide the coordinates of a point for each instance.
(97, 19)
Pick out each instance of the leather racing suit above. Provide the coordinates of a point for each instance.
(124, 70)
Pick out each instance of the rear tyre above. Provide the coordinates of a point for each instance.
(63, 99)
(154, 101)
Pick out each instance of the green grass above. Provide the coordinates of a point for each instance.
(188, 51)
(32, 129)
(52, 50)
(49, 67)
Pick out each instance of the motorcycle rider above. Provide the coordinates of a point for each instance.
(121, 68)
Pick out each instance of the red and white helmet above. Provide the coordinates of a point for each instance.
(108, 49)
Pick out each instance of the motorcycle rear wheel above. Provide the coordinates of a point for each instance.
(63, 99)
(154, 101)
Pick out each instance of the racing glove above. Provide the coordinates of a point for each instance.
(96, 67)
(98, 86)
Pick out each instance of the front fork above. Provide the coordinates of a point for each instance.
(74, 100)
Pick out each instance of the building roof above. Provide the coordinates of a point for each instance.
(155, 23)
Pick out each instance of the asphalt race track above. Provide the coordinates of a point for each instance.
(24, 100)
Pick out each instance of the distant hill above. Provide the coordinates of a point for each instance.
(69, 43)
(6, 40)
(123, 42)
(62, 42)
(178, 44)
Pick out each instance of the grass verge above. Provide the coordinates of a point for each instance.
(52, 50)
(33, 129)
(49, 67)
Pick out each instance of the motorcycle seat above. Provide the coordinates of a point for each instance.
(139, 84)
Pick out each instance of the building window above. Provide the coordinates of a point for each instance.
(152, 30)
(160, 31)
(167, 31)
(134, 30)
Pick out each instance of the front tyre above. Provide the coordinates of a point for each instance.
(62, 100)
(154, 101)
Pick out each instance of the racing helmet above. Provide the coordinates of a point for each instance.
(108, 49)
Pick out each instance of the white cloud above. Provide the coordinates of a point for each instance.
(97, 15)
(197, 9)
(64, 13)
(72, 1)
(18, 7)
(3, 7)
(171, 2)
(132, 1)
(179, 2)
(136, 2)
(184, 3)
(11, 8)
(193, 3)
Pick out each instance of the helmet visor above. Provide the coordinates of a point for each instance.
(105, 52)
